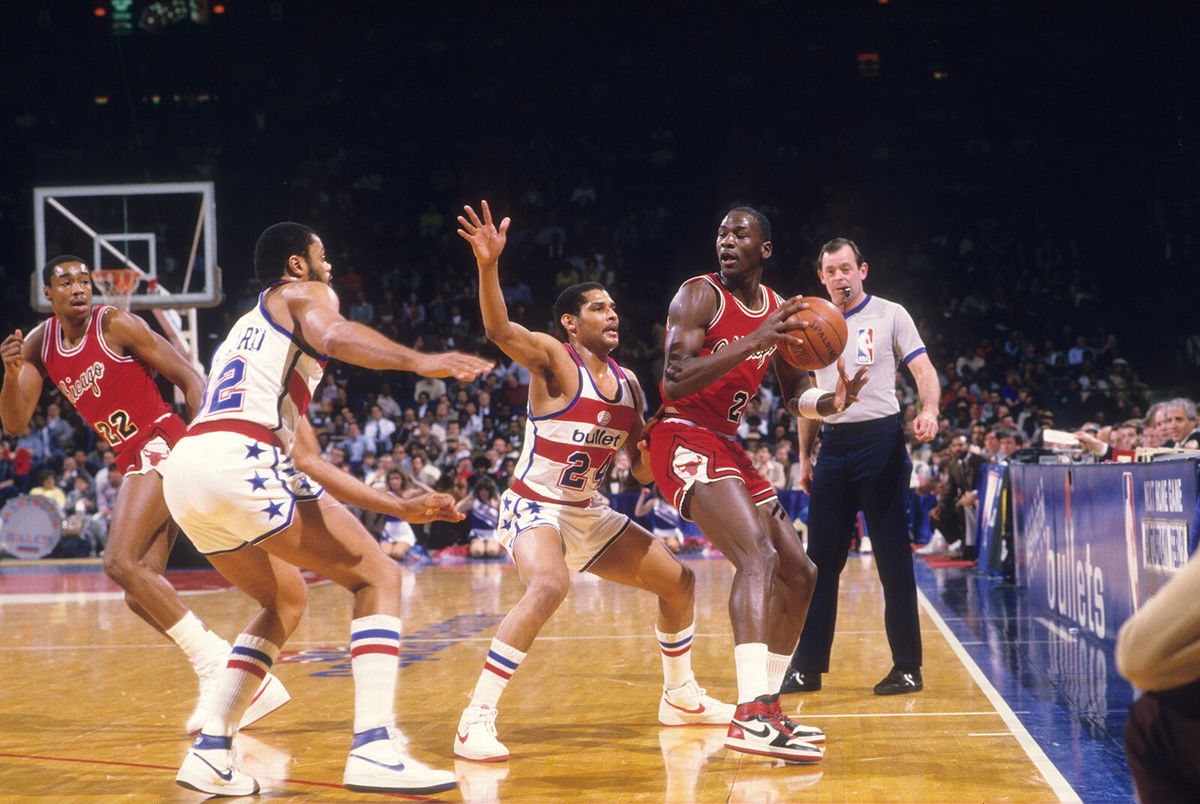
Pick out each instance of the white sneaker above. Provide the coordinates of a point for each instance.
(210, 767)
(377, 763)
(689, 705)
(864, 545)
(955, 550)
(270, 695)
(937, 544)
(476, 735)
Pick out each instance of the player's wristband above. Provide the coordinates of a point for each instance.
(807, 403)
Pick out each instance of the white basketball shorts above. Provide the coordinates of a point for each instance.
(585, 532)
(227, 490)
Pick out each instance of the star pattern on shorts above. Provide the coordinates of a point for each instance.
(304, 484)
(274, 509)
(257, 483)
(253, 450)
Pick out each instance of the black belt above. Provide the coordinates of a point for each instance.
(870, 425)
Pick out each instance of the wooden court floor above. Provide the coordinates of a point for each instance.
(94, 702)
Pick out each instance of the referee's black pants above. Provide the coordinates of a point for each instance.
(862, 466)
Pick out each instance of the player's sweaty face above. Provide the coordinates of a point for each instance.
(739, 243)
(70, 288)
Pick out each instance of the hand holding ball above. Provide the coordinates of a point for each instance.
(824, 337)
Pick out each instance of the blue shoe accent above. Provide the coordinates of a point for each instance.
(208, 742)
(225, 775)
(369, 736)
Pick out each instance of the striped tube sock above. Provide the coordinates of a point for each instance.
(248, 665)
(676, 656)
(374, 661)
(777, 665)
(750, 658)
(502, 661)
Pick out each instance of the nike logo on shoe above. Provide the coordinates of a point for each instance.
(225, 775)
(766, 730)
(462, 738)
(697, 711)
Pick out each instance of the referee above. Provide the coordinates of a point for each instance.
(863, 466)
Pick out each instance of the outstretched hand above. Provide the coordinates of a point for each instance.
(459, 365)
(430, 507)
(486, 240)
(848, 388)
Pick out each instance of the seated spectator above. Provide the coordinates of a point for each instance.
(425, 472)
(379, 430)
(620, 476)
(482, 507)
(1177, 418)
(665, 523)
(48, 487)
(8, 473)
(434, 388)
(769, 468)
(356, 446)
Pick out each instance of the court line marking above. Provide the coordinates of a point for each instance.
(147, 766)
(1058, 783)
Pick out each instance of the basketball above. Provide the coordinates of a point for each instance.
(824, 337)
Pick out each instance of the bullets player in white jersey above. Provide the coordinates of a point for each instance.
(245, 484)
(583, 407)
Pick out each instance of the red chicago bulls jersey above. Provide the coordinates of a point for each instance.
(116, 395)
(720, 406)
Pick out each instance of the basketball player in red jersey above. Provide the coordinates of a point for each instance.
(722, 330)
(101, 360)
(583, 408)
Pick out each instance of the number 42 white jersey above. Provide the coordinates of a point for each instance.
(567, 453)
(263, 374)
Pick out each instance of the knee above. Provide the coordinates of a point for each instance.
(760, 558)
(548, 593)
(120, 567)
(289, 605)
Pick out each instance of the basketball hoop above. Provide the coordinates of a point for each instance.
(117, 285)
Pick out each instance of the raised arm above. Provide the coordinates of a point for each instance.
(22, 378)
(684, 371)
(535, 351)
(132, 334)
(348, 489)
(313, 308)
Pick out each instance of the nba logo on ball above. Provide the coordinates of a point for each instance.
(866, 346)
(604, 417)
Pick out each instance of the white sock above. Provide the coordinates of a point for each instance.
(194, 638)
(676, 656)
(249, 662)
(750, 659)
(374, 662)
(502, 661)
(777, 665)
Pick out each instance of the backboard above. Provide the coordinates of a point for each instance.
(166, 230)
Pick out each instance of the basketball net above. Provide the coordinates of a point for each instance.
(116, 285)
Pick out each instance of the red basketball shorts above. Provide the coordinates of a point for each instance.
(683, 454)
